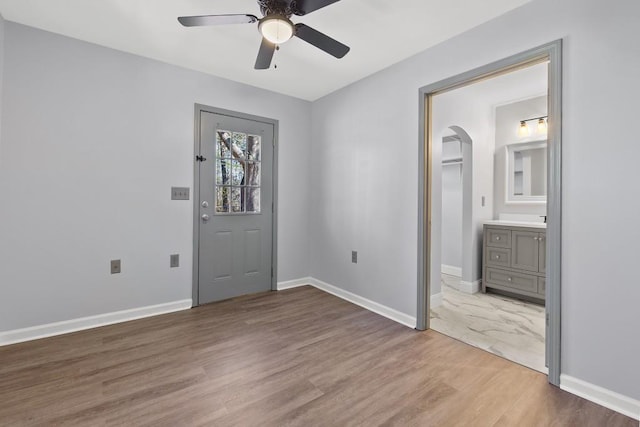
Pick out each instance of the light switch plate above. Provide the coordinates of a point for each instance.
(174, 261)
(354, 257)
(179, 193)
(115, 266)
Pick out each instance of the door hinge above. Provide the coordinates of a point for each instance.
(547, 318)
(201, 159)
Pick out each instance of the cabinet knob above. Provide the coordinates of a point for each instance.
(508, 279)
(497, 256)
(497, 237)
(535, 238)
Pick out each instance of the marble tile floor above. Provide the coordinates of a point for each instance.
(504, 326)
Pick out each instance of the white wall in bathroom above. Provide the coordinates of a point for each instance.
(508, 117)
(452, 206)
(470, 112)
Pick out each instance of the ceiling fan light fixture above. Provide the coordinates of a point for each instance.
(276, 28)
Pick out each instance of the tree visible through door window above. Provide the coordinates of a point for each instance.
(237, 173)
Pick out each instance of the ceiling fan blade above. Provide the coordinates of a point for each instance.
(198, 21)
(321, 41)
(265, 55)
(302, 7)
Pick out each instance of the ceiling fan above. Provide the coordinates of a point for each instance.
(276, 27)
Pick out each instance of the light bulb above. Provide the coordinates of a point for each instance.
(524, 129)
(276, 29)
(542, 126)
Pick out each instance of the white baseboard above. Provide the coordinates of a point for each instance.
(436, 300)
(373, 306)
(294, 283)
(607, 398)
(451, 270)
(470, 287)
(74, 325)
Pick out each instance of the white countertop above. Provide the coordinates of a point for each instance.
(516, 223)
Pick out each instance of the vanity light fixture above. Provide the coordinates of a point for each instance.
(524, 129)
(542, 125)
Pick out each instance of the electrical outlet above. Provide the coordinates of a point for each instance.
(174, 261)
(115, 266)
(179, 193)
(354, 257)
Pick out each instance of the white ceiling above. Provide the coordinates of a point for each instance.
(379, 32)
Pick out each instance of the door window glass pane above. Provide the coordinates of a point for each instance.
(253, 147)
(253, 174)
(237, 172)
(222, 149)
(222, 199)
(223, 172)
(239, 142)
(237, 199)
(253, 200)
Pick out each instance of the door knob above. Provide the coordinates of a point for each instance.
(205, 217)
(205, 204)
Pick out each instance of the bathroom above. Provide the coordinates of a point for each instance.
(489, 193)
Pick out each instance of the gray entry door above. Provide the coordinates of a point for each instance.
(235, 206)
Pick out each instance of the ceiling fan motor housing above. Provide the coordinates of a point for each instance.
(276, 7)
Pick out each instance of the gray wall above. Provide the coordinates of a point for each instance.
(92, 141)
(507, 119)
(365, 171)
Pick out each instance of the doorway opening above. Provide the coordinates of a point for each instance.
(501, 234)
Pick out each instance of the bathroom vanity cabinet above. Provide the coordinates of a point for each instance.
(514, 259)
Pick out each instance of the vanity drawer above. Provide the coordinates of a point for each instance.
(542, 285)
(524, 282)
(498, 238)
(498, 257)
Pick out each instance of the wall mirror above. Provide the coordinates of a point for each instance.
(527, 172)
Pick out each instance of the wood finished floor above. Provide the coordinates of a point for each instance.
(293, 358)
